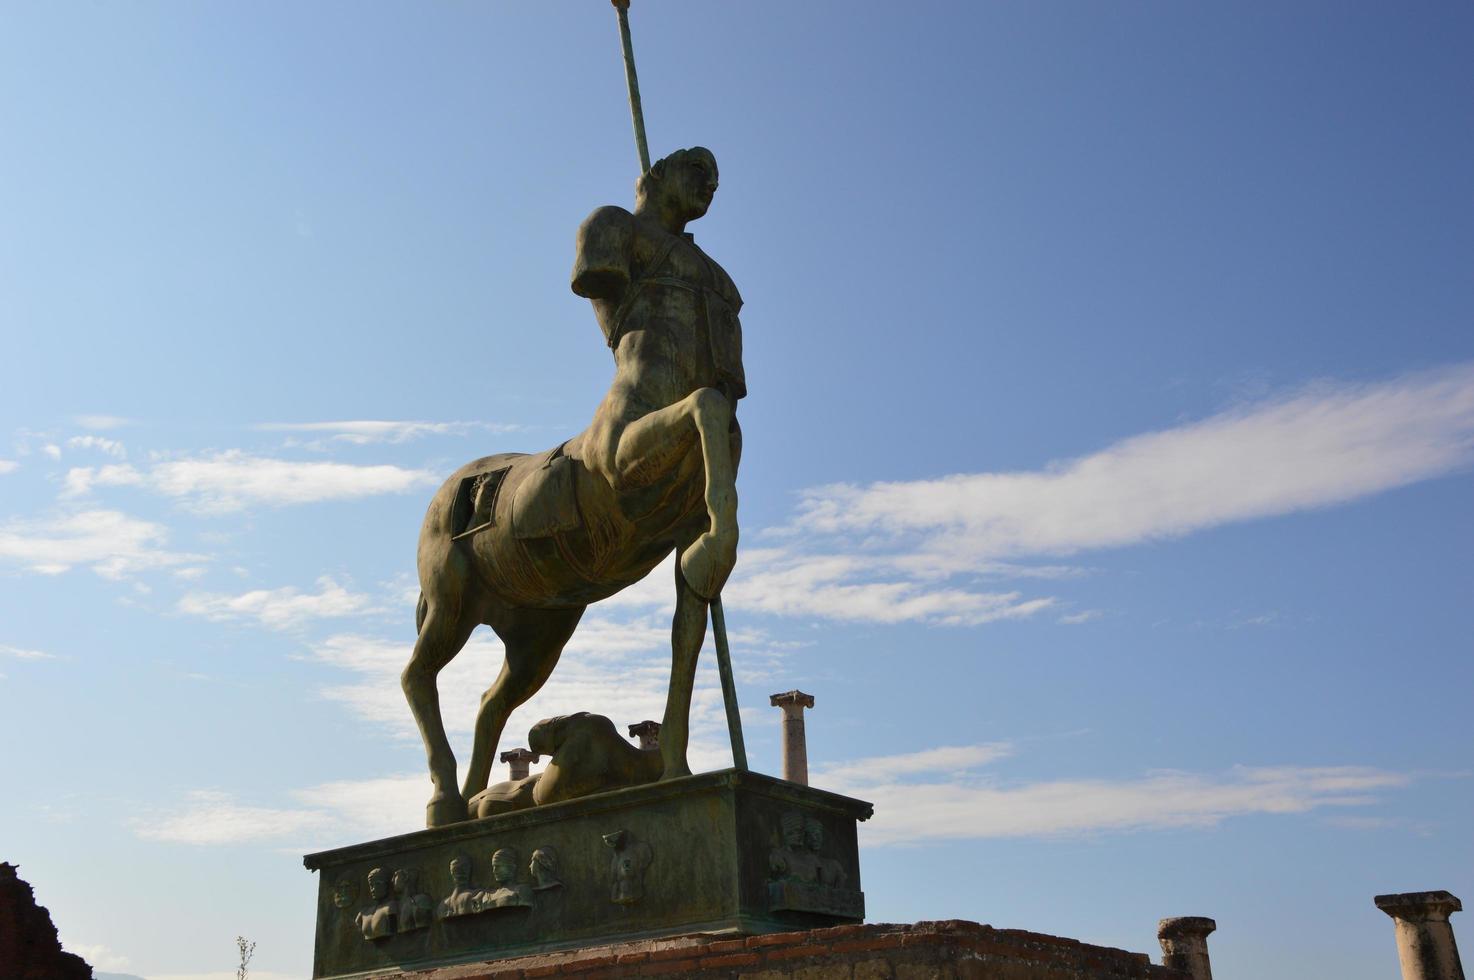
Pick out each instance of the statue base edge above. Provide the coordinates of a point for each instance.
(952, 949)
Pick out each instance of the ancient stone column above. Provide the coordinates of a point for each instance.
(1185, 944)
(520, 760)
(648, 732)
(1425, 939)
(795, 745)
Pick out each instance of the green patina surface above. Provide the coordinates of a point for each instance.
(728, 851)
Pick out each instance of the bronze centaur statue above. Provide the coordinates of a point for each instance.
(525, 543)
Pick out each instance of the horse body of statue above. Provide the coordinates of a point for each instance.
(523, 543)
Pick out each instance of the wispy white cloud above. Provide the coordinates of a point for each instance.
(863, 588)
(52, 449)
(364, 431)
(922, 551)
(913, 805)
(214, 817)
(101, 423)
(788, 581)
(1323, 445)
(111, 543)
(232, 480)
(22, 654)
(8, 466)
(111, 447)
(950, 759)
(80, 480)
(281, 608)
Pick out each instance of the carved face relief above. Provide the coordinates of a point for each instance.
(504, 866)
(344, 892)
(631, 858)
(378, 884)
(813, 834)
(460, 870)
(544, 869)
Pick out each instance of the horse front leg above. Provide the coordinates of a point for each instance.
(687, 633)
(651, 447)
(711, 558)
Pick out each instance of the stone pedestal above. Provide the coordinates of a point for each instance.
(730, 853)
(1425, 939)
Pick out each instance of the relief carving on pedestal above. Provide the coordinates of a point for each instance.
(377, 919)
(344, 892)
(627, 868)
(802, 879)
(414, 908)
(464, 897)
(509, 893)
(544, 869)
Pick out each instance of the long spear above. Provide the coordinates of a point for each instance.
(718, 617)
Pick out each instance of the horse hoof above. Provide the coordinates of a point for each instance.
(444, 810)
(707, 563)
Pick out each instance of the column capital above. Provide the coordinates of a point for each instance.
(791, 699)
(1184, 926)
(647, 731)
(520, 755)
(1419, 906)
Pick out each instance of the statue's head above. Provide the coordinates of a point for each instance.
(406, 880)
(378, 883)
(686, 180)
(504, 866)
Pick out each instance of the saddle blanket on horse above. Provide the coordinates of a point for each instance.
(544, 498)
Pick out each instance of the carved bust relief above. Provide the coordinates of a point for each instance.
(377, 919)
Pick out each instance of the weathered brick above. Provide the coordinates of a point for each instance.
(890, 941)
(673, 953)
(797, 952)
(669, 966)
(775, 939)
(731, 959)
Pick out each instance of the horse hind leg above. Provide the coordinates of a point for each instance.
(534, 640)
(443, 633)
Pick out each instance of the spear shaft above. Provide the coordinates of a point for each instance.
(718, 618)
(637, 113)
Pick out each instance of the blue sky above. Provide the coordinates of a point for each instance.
(1107, 461)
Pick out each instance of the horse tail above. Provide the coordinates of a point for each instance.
(422, 609)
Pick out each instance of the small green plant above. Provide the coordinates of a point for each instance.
(246, 949)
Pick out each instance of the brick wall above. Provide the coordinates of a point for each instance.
(950, 950)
